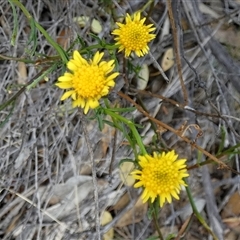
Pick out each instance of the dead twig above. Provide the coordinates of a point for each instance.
(94, 175)
(193, 144)
(173, 8)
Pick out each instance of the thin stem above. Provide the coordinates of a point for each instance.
(164, 125)
(58, 48)
(157, 226)
(45, 73)
(41, 74)
(154, 208)
(94, 175)
(15, 26)
(131, 125)
(173, 19)
(197, 214)
(3, 57)
(146, 5)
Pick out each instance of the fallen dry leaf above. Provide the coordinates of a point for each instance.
(22, 73)
(123, 201)
(167, 60)
(107, 136)
(134, 215)
(106, 218)
(124, 170)
(233, 222)
(231, 236)
(96, 26)
(232, 207)
(63, 38)
(143, 77)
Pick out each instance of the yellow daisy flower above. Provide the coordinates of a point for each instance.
(88, 81)
(161, 175)
(134, 35)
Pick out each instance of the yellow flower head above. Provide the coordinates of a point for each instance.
(161, 175)
(134, 35)
(88, 81)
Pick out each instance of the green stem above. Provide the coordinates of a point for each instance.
(197, 214)
(45, 73)
(2, 57)
(98, 46)
(58, 48)
(85, 50)
(146, 5)
(155, 220)
(52, 42)
(122, 129)
(15, 24)
(41, 74)
(8, 116)
(131, 126)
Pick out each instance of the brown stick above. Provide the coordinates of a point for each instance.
(164, 125)
(176, 46)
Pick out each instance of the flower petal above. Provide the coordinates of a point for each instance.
(88, 81)
(67, 95)
(134, 35)
(97, 57)
(160, 176)
(64, 85)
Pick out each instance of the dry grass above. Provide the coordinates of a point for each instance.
(46, 183)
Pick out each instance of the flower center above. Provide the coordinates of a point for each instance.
(89, 81)
(134, 36)
(160, 177)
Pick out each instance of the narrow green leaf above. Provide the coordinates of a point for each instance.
(8, 116)
(15, 24)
